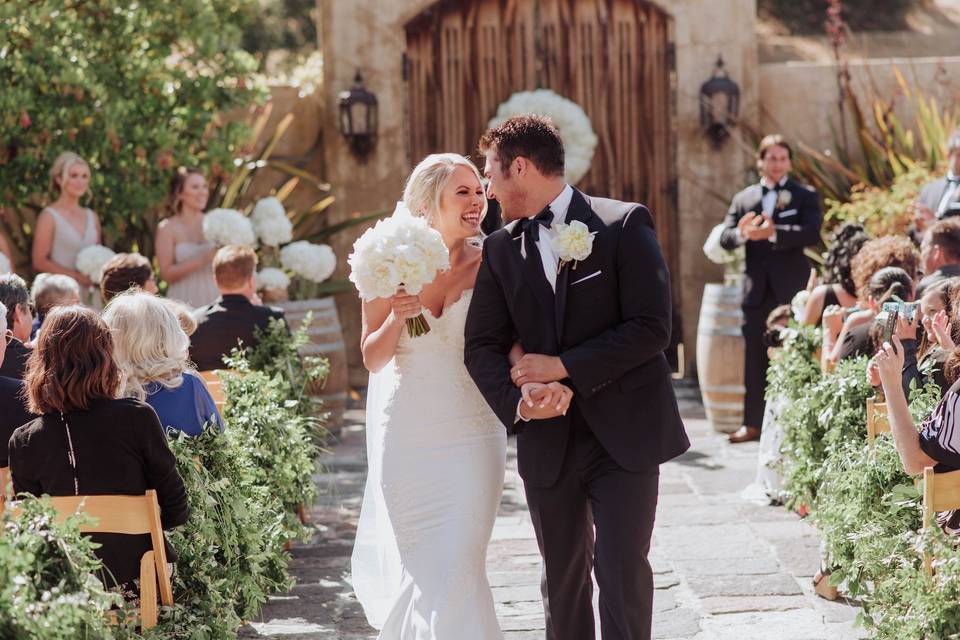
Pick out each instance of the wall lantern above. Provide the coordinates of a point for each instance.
(719, 104)
(358, 118)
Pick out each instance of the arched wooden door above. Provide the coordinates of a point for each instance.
(612, 57)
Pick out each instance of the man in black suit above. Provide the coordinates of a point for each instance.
(13, 408)
(775, 219)
(231, 320)
(939, 253)
(941, 198)
(596, 326)
(16, 297)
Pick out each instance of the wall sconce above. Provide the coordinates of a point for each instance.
(719, 104)
(358, 118)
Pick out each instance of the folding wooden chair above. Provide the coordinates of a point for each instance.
(214, 386)
(941, 492)
(4, 479)
(877, 421)
(130, 515)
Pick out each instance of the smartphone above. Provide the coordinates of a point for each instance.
(892, 311)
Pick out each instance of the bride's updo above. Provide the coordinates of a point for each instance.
(426, 183)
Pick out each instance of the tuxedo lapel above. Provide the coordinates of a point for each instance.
(532, 266)
(580, 211)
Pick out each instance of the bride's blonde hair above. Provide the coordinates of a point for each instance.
(428, 180)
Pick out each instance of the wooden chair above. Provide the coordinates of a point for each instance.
(941, 492)
(130, 515)
(877, 421)
(214, 386)
(4, 479)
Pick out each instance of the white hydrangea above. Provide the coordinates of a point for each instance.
(91, 259)
(272, 278)
(314, 262)
(271, 223)
(228, 226)
(401, 250)
(715, 251)
(579, 140)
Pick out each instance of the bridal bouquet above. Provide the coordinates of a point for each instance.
(91, 259)
(402, 251)
(228, 226)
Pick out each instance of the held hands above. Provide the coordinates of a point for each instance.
(756, 227)
(542, 401)
(534, 367)
(890, 364)
(404, 306)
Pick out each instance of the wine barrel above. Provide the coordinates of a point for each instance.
(326, 340)
(720, 353)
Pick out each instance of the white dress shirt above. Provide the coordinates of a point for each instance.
(559, 207)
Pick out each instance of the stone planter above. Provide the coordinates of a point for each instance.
(720, 354)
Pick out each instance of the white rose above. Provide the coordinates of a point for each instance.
(572, 241)
(272, 278)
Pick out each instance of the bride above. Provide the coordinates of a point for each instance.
(436, 451)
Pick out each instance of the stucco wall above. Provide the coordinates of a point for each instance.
(369, 35)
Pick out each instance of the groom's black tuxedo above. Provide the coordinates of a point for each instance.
(609, 322)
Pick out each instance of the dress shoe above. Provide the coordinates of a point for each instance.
(745, 434)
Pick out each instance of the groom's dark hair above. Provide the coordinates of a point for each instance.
(529, 136)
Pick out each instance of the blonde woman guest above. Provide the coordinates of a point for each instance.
(184, 256)
(66, 227)
(151, 352)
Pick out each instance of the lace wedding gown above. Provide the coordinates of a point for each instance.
(436, 454)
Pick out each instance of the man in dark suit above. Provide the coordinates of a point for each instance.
(775, 219)
(939, 253)
(13, 408)
(941, 198)
(595, 325)
(16, 297)
(233, 319)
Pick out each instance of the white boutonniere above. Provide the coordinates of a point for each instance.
(784, 197)
(572, 242)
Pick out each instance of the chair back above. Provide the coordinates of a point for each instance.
(941, 492)
(4, 479)
(877, 421)
(214, 386)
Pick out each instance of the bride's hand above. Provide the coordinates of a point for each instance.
(404, 306)
(545, 400)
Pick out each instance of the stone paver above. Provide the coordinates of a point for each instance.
(724, 568)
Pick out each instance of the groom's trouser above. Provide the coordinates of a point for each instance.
(593, 491)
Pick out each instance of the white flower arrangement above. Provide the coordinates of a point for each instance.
(579, 140)
(228, 226)
(90, 261)
(272, 278)
(731, 260)
(400, 251)
(572, 242)
(314, 262)
(798, 305)
(270, 221)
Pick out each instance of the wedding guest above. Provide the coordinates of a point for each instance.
(941, 198)
(183, 254)
(88, 442)
(928, 361)
(125, 271)
(51, 290)
(939, 253)
(183, 313)
(838, 288)
(151, 350)
(65, 227)
(233, 319)
(15, 296)
(13, 410)
(775, 218)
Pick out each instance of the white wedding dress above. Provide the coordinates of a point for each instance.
(436, 456)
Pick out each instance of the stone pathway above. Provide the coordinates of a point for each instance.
(725, 568)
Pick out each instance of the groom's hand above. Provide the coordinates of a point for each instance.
(542, 401)
(534, 367)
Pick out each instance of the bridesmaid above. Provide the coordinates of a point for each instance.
(185, 258)
(65, 227)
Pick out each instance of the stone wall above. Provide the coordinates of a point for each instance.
(369, 35)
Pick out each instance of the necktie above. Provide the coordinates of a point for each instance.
(532, 225)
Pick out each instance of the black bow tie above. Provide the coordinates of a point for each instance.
(764, 189)
(953, 180)
(532, 225)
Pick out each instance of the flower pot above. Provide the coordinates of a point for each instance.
(720, 356)
(326, 340)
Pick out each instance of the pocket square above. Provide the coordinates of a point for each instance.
(788, 213)
(592, 275)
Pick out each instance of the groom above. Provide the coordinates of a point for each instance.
(597, 326)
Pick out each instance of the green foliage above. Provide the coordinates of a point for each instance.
(48, 584)
(278, 352)
(231, 548)
(881, 210)
(808, 16)
(286, 25)
(135, 88)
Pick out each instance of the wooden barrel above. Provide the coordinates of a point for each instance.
(326, 340)
(720, 353)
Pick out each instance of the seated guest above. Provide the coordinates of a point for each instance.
(838, 288)
(126, 271)
(940, 253)
(15, 296)
(13, 409)
(151, 352)
(231, 320)
(88, 442)
(51, 290)
(183, 313)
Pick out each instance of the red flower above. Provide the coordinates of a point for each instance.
(25, 120)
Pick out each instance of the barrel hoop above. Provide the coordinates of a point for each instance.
(722, 388)
(720, 331)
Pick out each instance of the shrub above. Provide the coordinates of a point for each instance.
(808, 16)
(881, 210)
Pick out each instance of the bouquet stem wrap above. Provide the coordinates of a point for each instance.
(417, 326)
